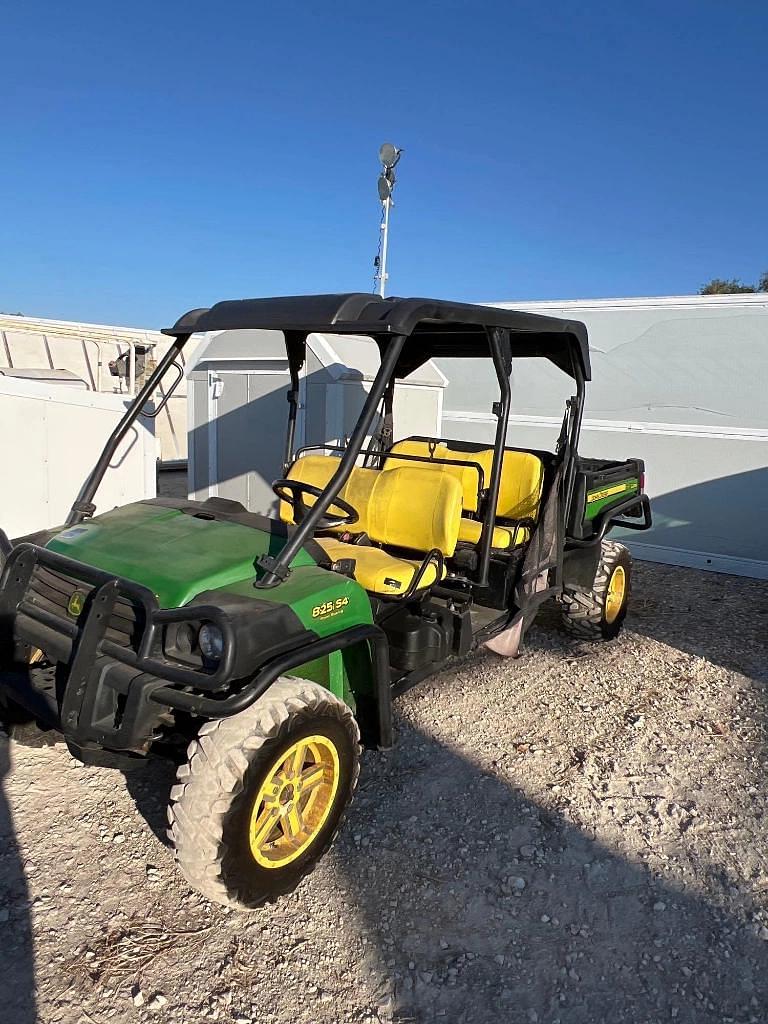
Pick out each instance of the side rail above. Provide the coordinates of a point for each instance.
(631, 514)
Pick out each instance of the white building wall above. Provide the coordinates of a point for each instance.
(681, 382)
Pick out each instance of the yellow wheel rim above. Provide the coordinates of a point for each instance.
(617, 591)
(294, 801)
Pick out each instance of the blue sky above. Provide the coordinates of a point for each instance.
(157, 156)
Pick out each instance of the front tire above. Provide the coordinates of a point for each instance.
(262, 794)
(599, 613)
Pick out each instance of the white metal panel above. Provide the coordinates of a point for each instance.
(679, 381)
(708, 489)
(50, 438)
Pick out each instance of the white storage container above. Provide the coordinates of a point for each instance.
(50, 437)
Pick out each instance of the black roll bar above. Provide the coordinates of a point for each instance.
(498, 340)
(576, 410)
(296, 347)
(83, 506)
(276, 567)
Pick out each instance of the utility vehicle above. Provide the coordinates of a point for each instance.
(260, 651)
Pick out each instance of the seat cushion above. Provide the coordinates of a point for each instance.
(522, 479)
(318, 470)
(377, 571)
(415, 509)
(470, 530)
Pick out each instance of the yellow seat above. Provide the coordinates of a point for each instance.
(318, 470)
(405, 508)
(520, 487)
(378, 571)
(503, 536)
(454, 466)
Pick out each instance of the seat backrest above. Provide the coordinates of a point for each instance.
(467, 476)
(318, 470)
(522, 475)
(407, 507)
(415, 509)
(522, 479)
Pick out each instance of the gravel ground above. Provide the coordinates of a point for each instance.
(576, 836)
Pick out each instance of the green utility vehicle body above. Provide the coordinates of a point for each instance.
(174, 556)
(179, 553)
(102, 620)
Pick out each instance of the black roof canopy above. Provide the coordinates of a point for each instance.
(433, 327)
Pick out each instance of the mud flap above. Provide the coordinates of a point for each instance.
(507, 643)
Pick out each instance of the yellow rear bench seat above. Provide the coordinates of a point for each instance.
(522, 478)
(406, 509)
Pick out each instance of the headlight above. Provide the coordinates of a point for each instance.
(211, 642)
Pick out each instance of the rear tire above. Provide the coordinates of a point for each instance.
(241, 827)
(599, 613)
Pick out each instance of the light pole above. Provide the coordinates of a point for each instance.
(389, 155)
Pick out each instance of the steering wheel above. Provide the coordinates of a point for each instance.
(293, 492)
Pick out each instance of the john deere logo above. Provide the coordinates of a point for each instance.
(76, 603)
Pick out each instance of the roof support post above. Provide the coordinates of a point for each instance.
(276, 569)
(501, 353)
(296, 347)
(570, 453)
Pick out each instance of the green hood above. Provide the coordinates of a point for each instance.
(172, 553)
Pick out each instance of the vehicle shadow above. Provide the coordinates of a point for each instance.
(17, 964)
(478, 903)
(150, 789)
(481, 906)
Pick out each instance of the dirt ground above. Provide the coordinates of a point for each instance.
(577, 836)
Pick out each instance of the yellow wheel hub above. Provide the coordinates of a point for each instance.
(294, 801)
(617, 591)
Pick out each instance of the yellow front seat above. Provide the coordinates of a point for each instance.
(410, 510)
(378, 571)
(318, 470)
(405, 508)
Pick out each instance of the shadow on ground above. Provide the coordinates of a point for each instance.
(17, 967)
(492, 909)
(707, 614)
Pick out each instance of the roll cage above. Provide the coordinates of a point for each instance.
(408, 332)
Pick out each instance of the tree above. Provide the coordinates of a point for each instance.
(762, 284)
(717, 286)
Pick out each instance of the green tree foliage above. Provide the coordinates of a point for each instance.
(718, 286)
(732, 286)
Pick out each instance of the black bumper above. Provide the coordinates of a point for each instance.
(109, 657)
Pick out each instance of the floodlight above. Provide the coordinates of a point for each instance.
(385, 188)
(388, 154)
